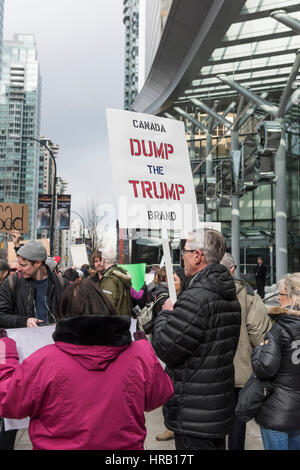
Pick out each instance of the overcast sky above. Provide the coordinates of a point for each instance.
(81, 52)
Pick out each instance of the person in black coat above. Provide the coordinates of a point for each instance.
(197, 339)
(278, 360)
(260, 277)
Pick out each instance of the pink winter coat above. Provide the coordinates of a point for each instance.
(89, 395)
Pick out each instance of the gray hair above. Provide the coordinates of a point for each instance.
(290, 283)
(109, 255)
(211, 242)
(228, 261)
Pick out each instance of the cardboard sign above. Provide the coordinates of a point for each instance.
(11, 254)
(152, 173)
(13, 217)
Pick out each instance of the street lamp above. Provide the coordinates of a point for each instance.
(54, 186)
(83, 226)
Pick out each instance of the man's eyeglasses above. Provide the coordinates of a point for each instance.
(13, 270)
(184, 251)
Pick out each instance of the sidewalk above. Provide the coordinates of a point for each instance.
(155, 425)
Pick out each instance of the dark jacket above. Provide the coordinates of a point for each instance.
(278, 360)
(260, 272)
(198, 341)
(17, 300)
(95, 278)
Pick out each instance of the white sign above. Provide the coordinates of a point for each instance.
(152, 174)
(79, 255)
(28, 340)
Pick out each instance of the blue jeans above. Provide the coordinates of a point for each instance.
(278, 440)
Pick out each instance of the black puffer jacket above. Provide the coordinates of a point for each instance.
(198, 341)
(278, 360)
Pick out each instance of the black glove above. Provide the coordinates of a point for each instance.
(139, 335)
(3, 333)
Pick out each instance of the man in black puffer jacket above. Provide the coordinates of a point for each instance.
(197, 339)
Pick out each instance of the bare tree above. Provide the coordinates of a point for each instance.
(90, 217)
(98, 221)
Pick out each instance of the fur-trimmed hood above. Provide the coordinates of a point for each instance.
(94, 340)
(121, 273)
(288, 318)
(283, 311)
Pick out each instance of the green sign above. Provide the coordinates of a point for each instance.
(137, 272)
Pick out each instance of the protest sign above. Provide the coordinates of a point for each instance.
(151, 170)
(137, 272)
(11, 253)
(79, 255)
(28, 340)
(13, 217)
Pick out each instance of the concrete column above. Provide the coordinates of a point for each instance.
(281, 253)
(235, 215)
(209, 167)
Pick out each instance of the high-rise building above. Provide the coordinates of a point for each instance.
(46, 166)
(144, 23)
(20, 101)
(152, 20)
(131, 21)
(61, 237)
(1, 31)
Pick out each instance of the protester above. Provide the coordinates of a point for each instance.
(4, 270)
(255, 323)
(27, 299)
(98, 263)
(13, 267)
(33, 295)
(197, 339)
(152, 284)
(260, 277)
(71, 275)
(115, 283)
(89, 390)
(181, 282)
(138, 298)
(277, 359)
(86, 271)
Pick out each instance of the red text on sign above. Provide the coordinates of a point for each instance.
(150, 149)
(152, 189)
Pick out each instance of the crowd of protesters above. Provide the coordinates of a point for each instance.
(90, 387)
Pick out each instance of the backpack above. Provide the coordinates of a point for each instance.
(145, 320)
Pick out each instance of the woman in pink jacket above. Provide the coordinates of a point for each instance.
(89, 389)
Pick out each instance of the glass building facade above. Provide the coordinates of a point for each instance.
(131, 22)
(20, 109)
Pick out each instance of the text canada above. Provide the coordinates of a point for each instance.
(151, 126)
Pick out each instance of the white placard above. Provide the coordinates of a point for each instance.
(79, 255)
(28, 340)
(152, 174)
